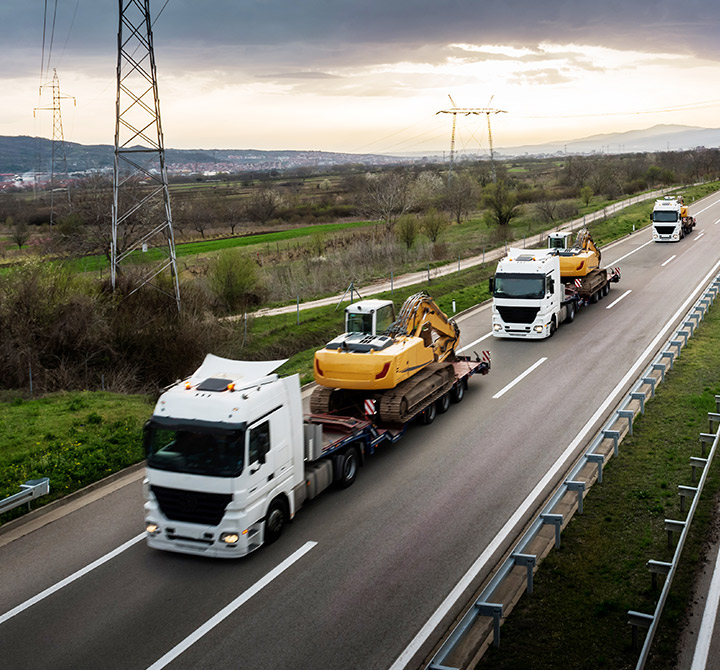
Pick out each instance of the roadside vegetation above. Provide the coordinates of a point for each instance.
(577, 615)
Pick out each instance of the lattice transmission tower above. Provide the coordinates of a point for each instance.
(141, 213)
(57, 150)
(467, 111)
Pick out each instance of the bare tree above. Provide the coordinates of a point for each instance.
(461, 196)
(263, 205)
(501, 203)
(20, 234)
(386, 196)
(546, 207)
(433, 223)
(426, 191)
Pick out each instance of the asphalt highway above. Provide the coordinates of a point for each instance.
(359, 573)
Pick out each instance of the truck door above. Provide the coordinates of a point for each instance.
(261, 466)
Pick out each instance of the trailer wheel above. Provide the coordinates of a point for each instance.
(347, 464)
(570, 313)
(606, 289)
(443, 403)
(457, 393)
(275, 520)
(595, 296)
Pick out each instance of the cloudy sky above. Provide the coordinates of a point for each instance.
(370, 76)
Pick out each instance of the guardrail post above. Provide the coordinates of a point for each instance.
(651, 381)
(556, 520)
(640, 397)
(714, 419)
(579, 487)
(706, 438)
(600, 460)
(658, 568)
(672, 526)
(638, 620)
(493, 610)
(696, 463)
(31, 489)
(670, 355)
(614, 435)
(661, 367)
(686, 492)
(629, 415)
(529, 561)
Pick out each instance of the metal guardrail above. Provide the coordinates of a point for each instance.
(498, 597)
(651, 621)
(31, 489)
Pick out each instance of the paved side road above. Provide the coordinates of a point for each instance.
(493, 254)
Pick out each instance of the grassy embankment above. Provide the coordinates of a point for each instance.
(75, 439)
(576, 617)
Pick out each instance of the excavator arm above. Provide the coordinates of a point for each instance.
(421, 317)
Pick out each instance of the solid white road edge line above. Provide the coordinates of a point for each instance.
(69, 580)
(226, 611)
(668, 260)
(617, 300)
(520, 378)
(622, 258)
(705, 634)
(472, 344)
(529, 502)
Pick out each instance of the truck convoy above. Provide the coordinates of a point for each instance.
(231, 457)
(671, 220)
(536, 290)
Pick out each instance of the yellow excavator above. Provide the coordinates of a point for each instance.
(577, 260)
(402, 364)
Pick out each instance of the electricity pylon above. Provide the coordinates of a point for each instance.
(57, 150)
(141, 213)
(467, 111)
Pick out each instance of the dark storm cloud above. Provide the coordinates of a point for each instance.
(264, 36)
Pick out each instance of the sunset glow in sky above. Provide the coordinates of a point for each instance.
(371, 76)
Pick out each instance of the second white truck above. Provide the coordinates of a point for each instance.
(670, 219)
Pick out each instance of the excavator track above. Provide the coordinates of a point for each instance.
(409, 398)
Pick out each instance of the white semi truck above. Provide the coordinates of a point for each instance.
(671, 220)
(531, 298)
(231, 457)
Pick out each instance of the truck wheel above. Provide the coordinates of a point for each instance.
(570, 313)
(553, 327)
(443, 403)
(429, 413)
(348, 464)
(457, 393)
(275, 520)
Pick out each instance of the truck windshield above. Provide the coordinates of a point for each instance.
(664, 217)
(195, 451)
(519, 286)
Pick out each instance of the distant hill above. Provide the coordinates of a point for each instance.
(20, 154)
(656, 138)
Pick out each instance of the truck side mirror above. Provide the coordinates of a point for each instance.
(491, 284)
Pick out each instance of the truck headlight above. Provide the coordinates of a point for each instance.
(152, 528)
(497, 327)
(539, 329)
(229, 538)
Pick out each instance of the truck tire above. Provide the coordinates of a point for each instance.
(457, 393)
(570, 313)
(347, 465)
(553, 327)
(277, 517)
(443, 403)
(427, 416)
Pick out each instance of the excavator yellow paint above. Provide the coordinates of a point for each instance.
(580, 259)
(422, 335)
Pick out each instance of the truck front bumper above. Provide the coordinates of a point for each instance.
(538, 330)
(231, 538)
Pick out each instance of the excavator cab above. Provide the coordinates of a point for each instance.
(371, 317)
(559, 240)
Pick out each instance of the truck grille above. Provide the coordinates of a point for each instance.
(518, 314)
(665, 230)
(192, 506)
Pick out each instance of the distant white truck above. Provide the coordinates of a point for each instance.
(531, 299)
(670, 219)
(231, 457)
